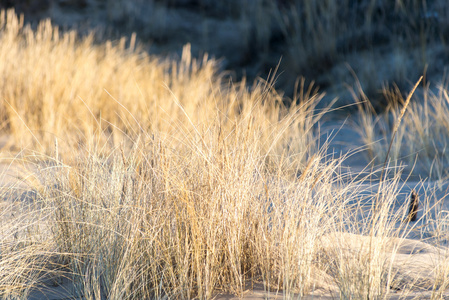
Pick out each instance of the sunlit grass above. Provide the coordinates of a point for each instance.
(154, 178)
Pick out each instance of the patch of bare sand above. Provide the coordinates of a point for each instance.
(414, 264)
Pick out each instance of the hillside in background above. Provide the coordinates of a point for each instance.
(333, 43)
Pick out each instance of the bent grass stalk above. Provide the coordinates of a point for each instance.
(378, 216)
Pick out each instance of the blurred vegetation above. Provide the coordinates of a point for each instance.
(328, 42)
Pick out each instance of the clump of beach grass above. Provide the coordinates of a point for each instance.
(159, 180)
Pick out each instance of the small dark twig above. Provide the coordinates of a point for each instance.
(413, 208)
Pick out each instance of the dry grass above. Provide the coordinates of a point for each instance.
(420, 143)
(159, 180)
(314, 39)
(322, 37)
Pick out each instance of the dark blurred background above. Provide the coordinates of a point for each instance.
(379, 43)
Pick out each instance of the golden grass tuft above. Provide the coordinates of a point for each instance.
(156, 179)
